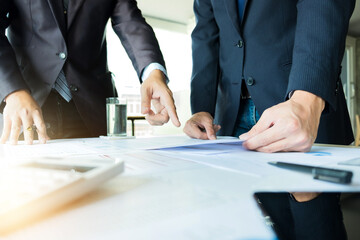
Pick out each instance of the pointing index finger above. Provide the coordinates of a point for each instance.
(168, 102)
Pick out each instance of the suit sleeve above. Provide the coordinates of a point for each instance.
(205, 55)
(10, 77)
(319, 45)
(137, 37)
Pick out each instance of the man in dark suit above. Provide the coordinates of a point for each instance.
(54, 56)
(268, 71)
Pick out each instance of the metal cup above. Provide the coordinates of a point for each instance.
(116, 116)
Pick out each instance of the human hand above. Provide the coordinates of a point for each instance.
(288, 126)
(155, 90)
(304, 196)
(201, 126)
(22, 110)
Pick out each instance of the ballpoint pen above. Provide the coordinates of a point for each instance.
(326, 174)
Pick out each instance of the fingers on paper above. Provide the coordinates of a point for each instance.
(40, 127)
(6, 130)
(15, 130)
(203, 129)
(278, 137)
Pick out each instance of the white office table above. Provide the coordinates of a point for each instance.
(171, 195)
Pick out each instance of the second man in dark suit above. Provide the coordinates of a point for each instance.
(268, 71)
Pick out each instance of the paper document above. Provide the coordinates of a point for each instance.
(223, 153)
(145, 162)
(208, 148)
(197, 143)
(228, 154)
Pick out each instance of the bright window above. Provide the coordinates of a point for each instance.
(176, 48)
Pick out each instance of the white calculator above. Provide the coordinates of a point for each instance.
(35, 188)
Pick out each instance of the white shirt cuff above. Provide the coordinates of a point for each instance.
(291, 93)
(150, 68)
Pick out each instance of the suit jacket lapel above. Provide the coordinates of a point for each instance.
(232, 9)
(57, 9)
(74, 6)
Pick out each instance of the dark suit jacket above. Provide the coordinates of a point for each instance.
(37, 34)
(281, 46)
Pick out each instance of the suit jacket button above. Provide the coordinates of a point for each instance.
(62, 55)
(239, 44)
(250, 81)
(73, 88)
(337, 87)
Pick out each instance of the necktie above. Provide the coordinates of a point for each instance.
(61, 85)
(241, 6)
